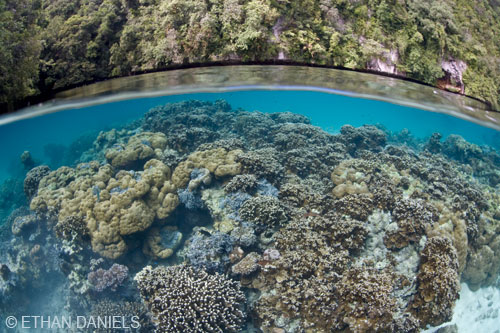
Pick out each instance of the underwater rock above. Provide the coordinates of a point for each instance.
(183, 299)
(32, 180)
(26, 160)
(24, 223)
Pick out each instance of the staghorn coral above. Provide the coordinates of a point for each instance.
(183, 299)
(133, 313)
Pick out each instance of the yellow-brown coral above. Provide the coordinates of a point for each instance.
(219, 162)
(113, 206)
(139, 148)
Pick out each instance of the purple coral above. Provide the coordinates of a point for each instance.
(112, 278)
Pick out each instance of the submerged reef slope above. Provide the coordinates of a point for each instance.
(232, 219)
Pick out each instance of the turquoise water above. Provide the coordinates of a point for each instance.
(327, 111)
(271, 210)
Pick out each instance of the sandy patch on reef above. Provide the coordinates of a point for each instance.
(476, 311)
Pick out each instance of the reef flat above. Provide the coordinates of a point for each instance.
(202, 218)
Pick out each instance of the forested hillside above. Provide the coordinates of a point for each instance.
(51, 44)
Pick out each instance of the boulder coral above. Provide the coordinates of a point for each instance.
(219, 161)
(139, 148)
(113, 205)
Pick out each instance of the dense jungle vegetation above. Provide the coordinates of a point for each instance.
(51, 44)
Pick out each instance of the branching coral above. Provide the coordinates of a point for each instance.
(438, 282)
(183, 299)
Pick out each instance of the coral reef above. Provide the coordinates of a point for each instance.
(438, 283)
(361, 231)
(113, 206)
(162, 242)
(33, 178)
(183, 299)
(208, 251)
(139, 148)
(112, 278)
(108, 308)
(264, 210)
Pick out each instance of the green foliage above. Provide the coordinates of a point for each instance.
(19, 50)
(53, 44)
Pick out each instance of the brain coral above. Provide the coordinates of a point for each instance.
(183, 299)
